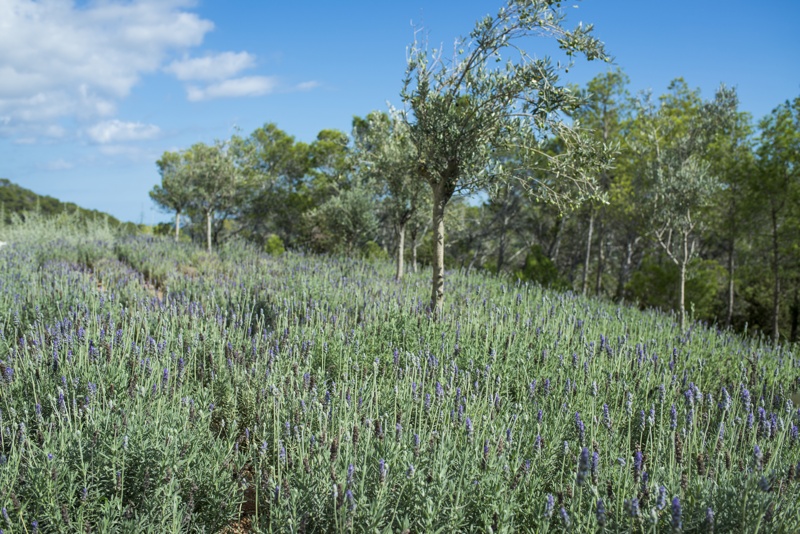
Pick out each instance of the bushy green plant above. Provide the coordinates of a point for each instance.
(654, 285)
(371, 252)
(274, 245)
(540, 269)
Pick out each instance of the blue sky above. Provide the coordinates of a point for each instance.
(93, 92)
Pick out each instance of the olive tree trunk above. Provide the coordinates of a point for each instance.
(682, 296)
(588, 254)
(776, 287)
(731, 278)
(208, 230)
(401, 249)
(177, 225)
(601, 261)
(440, 199)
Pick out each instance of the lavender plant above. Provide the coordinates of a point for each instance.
(316, 393)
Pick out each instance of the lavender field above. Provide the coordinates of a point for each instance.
(152, 386)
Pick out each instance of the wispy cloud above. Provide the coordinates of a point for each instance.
(59, 60)
(307, 86)
(116, 131)
(212, 66)
(236, 87)
(57, 165)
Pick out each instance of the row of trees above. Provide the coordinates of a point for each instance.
(696, 206)
(18, 202)
(463, 120)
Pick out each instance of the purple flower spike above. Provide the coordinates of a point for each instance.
(580, 428)
(661, 500)
(677, 521)
(606, 417)
(583, 466)
(382, 469)
(745, 399)
(638, 459)
(565, 517)
(758, 456)
(634, 507)
(601, 513)
(548, 506)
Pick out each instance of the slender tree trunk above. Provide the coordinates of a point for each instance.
(585, 285)
(776, 290)
(472, 261)
(416, 236)
(682, 294)
(795, 317)
(624, 271)
(731, 273)
(732, 226)
(177, 225)
(501, 249)
(414, 252)
(208, 230)
(683, 264)
(601, 262)
(556, 244)
(437, 283)
(401, 249)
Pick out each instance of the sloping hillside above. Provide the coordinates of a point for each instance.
(254, 391)
(15, 199)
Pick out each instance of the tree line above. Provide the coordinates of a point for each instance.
(19, 203)
(675, 202)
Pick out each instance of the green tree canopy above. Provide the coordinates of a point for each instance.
(493, 93)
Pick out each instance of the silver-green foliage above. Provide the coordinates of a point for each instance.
(493, 96)
(313, 392)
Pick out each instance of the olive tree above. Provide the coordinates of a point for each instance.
(386, 154)
(214, 180)
(492, 94)
(676, 138)
(173, 194)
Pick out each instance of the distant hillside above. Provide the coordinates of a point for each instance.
(15, 199)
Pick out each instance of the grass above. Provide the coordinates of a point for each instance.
(154, 387)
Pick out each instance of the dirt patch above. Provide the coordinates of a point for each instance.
(243, 526)
(110, 264)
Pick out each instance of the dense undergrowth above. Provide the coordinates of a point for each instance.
(150, 386)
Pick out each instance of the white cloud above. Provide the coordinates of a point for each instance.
(212, 66)
(60, 60)
(307, 86)
(57, 165)
(132, 153)
(116, 131)
(236, 87)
